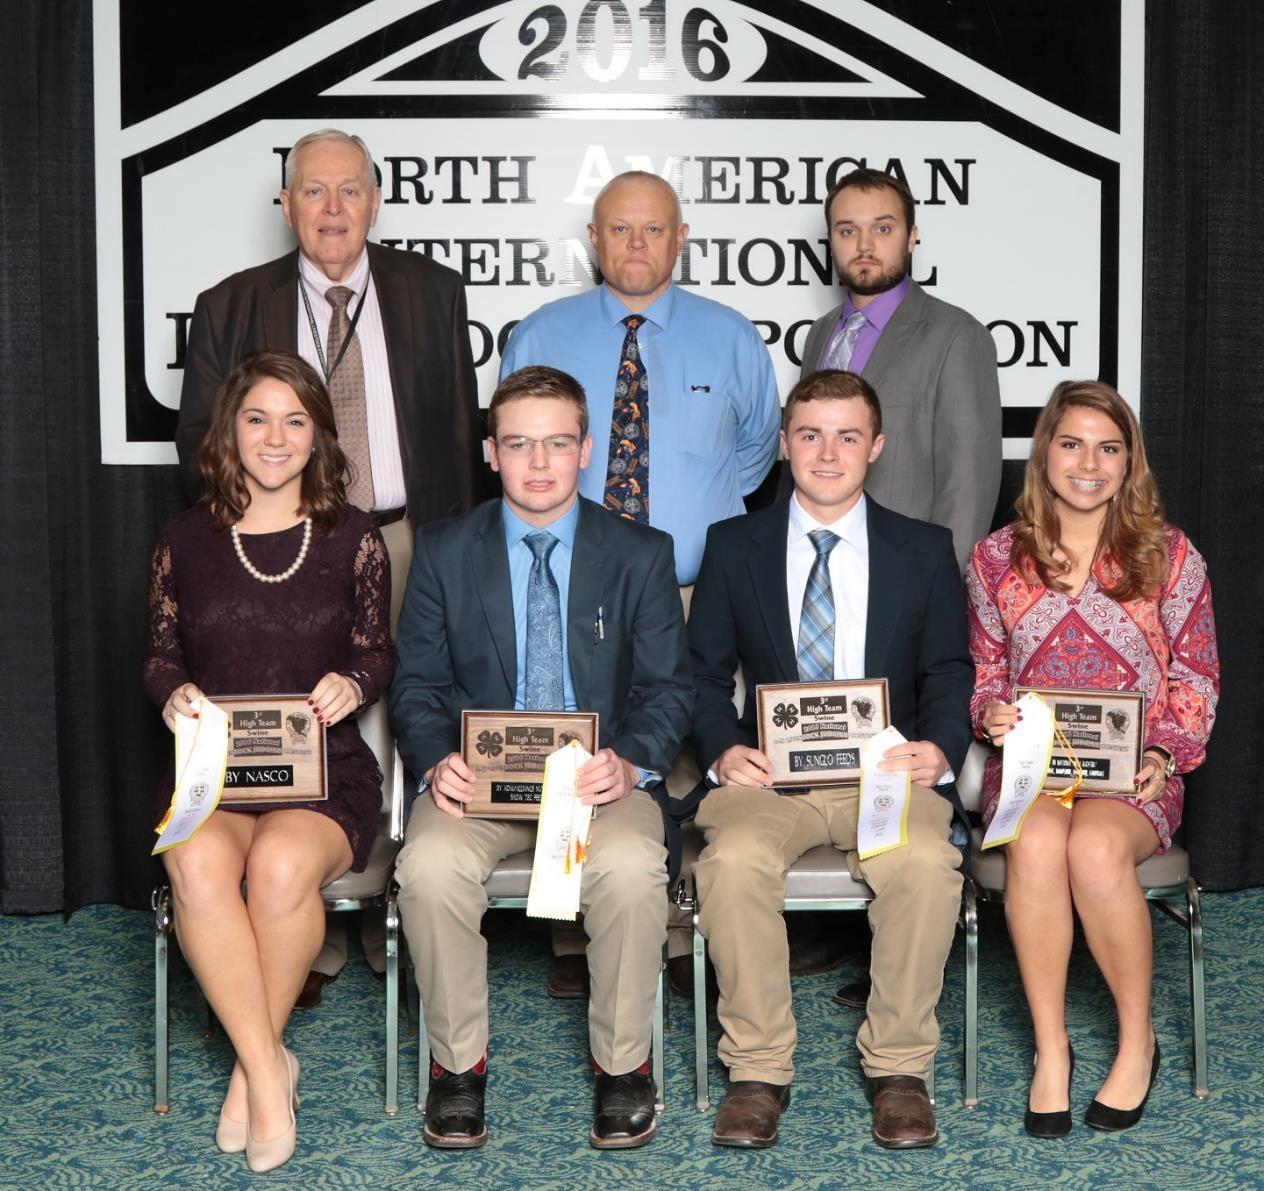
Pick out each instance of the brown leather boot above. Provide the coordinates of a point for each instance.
(749, 1115)
(903, 1116)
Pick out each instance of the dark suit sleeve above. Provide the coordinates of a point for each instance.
(474, 480)
(714, 657)
(945, 673)
(660, 695)
(422, 696)
(203, 374)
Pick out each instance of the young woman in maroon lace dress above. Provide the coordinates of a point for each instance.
(272, 584)
(1089, 588)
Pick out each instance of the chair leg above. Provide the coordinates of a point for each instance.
(660, 1095)
(1197, 988)
(423, 1055)
(162, 929)
(702, 1092)
(392, 1005)
(970, 920)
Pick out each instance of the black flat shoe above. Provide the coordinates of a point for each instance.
(1052, 1124)
(623, 1111)
(1112, 1120)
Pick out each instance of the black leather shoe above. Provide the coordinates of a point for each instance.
(1113, 1120)
(454, 1109)
(623, 1111)
(1051, 1124)
(854, 995)
(568, 978)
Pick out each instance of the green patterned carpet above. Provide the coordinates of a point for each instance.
(76, 1079)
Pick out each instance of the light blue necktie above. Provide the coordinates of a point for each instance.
(816, 624)
(544, 629)
(843, 346)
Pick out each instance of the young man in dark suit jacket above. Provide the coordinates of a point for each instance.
(540, 589)
(892, 607)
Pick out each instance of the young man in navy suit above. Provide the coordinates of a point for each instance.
(828, 585)
(540, 600)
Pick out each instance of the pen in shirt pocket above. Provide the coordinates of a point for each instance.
(599, 625)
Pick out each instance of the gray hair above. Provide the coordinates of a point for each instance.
(638, 176)
(337, 136)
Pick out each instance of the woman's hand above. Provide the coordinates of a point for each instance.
(1150, 781)
(334, 698)
(998, 720)
(180, 702)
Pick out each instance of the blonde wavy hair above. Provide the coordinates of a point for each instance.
(1132, 541)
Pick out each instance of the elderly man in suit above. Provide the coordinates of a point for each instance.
(540, 600)
(387, 330)
(828, 585)
(932, 364)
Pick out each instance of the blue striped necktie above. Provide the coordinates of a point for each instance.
(816, 624)
(544, 629)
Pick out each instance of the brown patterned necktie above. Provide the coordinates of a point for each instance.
(628, 464)
(346, 391)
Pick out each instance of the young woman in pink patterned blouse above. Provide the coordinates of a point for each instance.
(1090, 588)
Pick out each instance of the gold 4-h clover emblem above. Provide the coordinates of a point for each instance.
(489, 744)
(785, 715)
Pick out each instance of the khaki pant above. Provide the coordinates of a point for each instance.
(752, 837)
(441, 871)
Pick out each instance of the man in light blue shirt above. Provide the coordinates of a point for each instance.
(713, 408)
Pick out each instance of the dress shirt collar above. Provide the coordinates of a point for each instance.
(880, 310)
(852, 526)
(563, 528)
(659, 312)
(318, 283)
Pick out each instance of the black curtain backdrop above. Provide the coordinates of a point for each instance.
(83, 748)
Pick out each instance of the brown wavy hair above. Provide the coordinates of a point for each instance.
(324, 492)
(1132, 540)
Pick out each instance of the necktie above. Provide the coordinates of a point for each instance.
(544, 629)
(346, 391)
(816, 624)
(628, 467)
(843, 345)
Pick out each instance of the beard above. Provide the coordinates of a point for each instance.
(874, 282)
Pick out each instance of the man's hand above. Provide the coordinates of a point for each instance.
(451, 785)
(923, 759)
(742, 766)
(606, 777)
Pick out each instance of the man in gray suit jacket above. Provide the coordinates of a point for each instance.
(540, 600)
(932, 364)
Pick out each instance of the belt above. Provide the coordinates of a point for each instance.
(389, 516)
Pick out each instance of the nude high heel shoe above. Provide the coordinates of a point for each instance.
(231, 1135)
(267, 1155)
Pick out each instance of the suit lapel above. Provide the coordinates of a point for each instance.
(490, 561)
(393, 303)
(280, 306)
(886, 587)
(899, 337)
(766, 563)
(589, 563)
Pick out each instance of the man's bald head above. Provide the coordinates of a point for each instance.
(637, 232)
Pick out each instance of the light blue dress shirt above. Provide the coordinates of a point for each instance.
(520, 559)
(714, 407)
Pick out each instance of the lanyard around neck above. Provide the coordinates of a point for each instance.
(326, 368)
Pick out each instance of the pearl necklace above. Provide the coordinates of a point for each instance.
(285, 574)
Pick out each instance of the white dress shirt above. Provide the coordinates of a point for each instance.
(849, 579)
(388, 468)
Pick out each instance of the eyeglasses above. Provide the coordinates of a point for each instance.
(523, 447)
